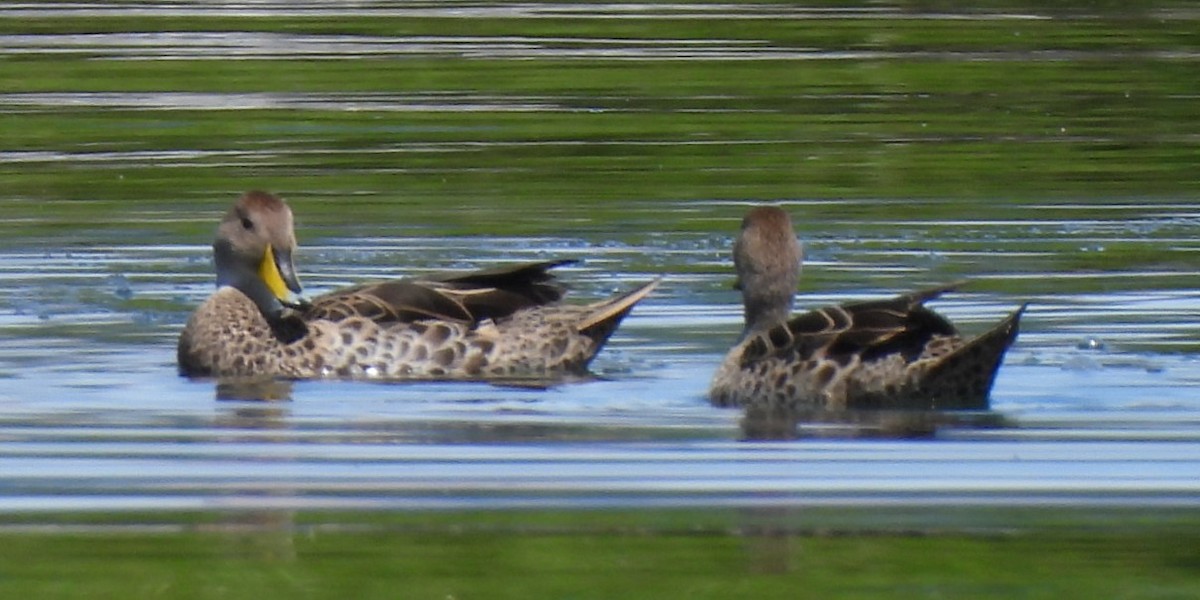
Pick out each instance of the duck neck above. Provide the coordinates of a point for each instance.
(236, 274)
(766, 308)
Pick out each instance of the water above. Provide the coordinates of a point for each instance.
(1049, 156)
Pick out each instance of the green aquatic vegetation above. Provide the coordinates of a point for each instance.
(935, 149)
(605, 554)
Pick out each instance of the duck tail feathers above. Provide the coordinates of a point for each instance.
(973, 366)
(605, 316)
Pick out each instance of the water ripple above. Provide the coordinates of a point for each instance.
(1096, 403)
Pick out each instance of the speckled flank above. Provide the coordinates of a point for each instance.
(885, 354)
(949, 373)
(492, 323)
(228, 336)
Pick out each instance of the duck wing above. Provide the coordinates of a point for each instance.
(467, 297)
(869, 330)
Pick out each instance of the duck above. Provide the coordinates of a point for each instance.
(505, 322)
(889, 354)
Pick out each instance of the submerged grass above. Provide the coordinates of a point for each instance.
(523, 132)
(904, 131)
(629, 554)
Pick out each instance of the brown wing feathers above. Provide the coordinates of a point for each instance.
(400, 301)
(505, 276)
(871, 329)
(463, 297)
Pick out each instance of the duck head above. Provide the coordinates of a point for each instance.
(767, 257)
(253, 253)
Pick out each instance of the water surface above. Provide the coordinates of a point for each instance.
(1049, 156)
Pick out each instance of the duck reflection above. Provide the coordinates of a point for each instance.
(767, 422)
(254, 390)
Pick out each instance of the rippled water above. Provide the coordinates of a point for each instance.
(1047, 156)
(91, 382)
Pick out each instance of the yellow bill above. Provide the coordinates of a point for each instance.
(280, 283)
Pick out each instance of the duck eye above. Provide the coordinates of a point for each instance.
(247, 224)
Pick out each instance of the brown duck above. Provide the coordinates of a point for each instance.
(488, 324)
(880, 354)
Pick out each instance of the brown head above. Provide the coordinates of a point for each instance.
(253, 252)
(767, 258)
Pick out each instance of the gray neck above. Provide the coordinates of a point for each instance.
(231, 272)
(766, 300)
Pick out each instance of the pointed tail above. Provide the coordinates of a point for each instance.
(605, 316)
(965, 377)
(925, 295)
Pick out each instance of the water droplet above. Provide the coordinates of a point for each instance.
(1081, 363)
(120, 285)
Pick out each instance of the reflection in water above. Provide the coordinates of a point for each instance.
(262, 403)
(776, 423)
(255, 416)
(768, 539)
(263, 536)
(257, 536)
(912, 146)
(254, 389)
(468, 141)
(769, 552)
